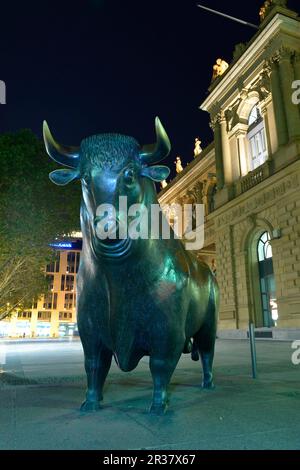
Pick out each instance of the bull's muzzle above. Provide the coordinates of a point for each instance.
(106, 230)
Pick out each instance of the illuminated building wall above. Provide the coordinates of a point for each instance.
(54, 315)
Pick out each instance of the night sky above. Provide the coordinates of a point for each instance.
(94, 66)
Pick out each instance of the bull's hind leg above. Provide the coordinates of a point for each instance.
(205, 342)
(97, 362)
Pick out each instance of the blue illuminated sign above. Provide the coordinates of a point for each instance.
(61, 245)
(76, 245)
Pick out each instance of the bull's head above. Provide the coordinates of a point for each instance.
(110, 166)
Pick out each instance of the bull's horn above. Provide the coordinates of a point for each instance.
(67, 156)
(151, 154)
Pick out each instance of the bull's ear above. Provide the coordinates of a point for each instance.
(63, 176)
(156, 173)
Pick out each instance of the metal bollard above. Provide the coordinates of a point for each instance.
(253, 350)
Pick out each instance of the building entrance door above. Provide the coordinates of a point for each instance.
(267, 281)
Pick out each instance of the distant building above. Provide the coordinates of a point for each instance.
(54, 315)
(249, 181)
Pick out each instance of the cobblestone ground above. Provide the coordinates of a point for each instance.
(42, 384)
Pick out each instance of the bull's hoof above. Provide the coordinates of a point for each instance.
(208, 385)
(90, 406)
(195, 355)
(188, 347)
(158, 410)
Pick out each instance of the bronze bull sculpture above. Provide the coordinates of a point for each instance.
(135, 297)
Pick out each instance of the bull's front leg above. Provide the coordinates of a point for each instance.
(162, 368)
(97, 366)
(97, 358)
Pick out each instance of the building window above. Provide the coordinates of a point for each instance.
(47, 301)
(67, 282)
(65, 315)
(53, 267)
(71, 258)
(50, 280)
(50, 301)
(68, 301)
(24, 314)
(44, 315)
(267, 281)
(54, 305)
(77, 261)
(257, 139)
(264, 247)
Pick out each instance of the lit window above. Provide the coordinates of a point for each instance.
(264, 247)
(254, 115)
(256, 138)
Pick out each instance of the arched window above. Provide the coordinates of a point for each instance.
(256, 138)
(267, 281)
(264, 247)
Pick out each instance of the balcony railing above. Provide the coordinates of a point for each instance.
(253, 178)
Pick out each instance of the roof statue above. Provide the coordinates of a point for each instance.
(219, 68)
(198, 148)
(269, 5)
(178, 164)
(163, 184)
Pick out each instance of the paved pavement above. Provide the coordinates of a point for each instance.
(42, 385)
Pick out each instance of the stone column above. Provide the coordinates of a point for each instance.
(241, 136)
(287, 77)
(297, 65)
(264, 113)
(215, 125)
(278, 103)
(225, 149)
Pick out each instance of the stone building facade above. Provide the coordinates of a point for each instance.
(249, 180)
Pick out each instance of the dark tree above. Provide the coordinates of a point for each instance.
(33, 212)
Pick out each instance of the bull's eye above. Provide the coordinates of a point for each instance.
(129, 176)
